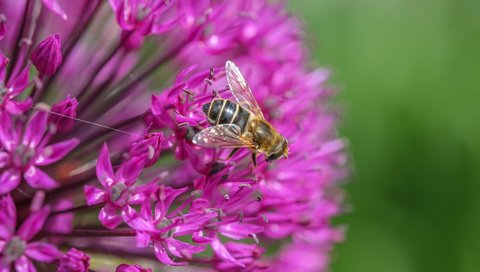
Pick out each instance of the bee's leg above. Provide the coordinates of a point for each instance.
(235, 150)
(215, 94)
(230, 155)
(254, 159)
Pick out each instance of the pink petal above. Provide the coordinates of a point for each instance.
(8, 217)
(55, 152)
(182, 249)
(36, 178)
(194, 222)
(94, 195)
(55, 7)
(33, 224)
(162, 255)
(109, 218)
(166, 197)
(8, 135)
(133, 220)
(139, 194)
(18, 107)
(124, 14)
(239, 230)
(3, 66)
(223, 253)
(3, 29)
(9, 180)
(4, 159)
(42, 252)
(19, 83)
(199, 238)
(104, 166)
(23, 264)
(2, 246)
(35, 129)
(130, 170)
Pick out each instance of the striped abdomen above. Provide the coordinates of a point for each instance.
(223, 111)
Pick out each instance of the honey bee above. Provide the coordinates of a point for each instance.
(241, 123)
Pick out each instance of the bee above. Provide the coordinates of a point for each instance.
(241, 123)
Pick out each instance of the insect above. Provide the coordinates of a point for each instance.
(241, 123)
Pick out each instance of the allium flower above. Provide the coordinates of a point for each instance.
(23, 155)
(99, 103)
(16, 246)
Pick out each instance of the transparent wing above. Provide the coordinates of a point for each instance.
(223, 136)
(240, 89)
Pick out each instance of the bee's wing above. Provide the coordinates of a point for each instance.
(224, 136)
(240, 89)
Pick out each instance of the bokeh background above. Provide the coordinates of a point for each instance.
(408, 72)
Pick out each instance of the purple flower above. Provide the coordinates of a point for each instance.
(24, 153)
(66, 108)
(135, 75)
(47, 56)
(247, 255)
(117, 191)
(13, 88)
(16, 248)
(74, 261)
(148, 148)
(131, 268)
(160, 227)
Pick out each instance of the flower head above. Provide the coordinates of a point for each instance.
(103, 120)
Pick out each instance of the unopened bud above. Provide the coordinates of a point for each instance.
(47, 55)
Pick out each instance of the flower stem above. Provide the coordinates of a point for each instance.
(24, 37)
(83, 93)
(81, 208)
(79, 31)
(85, 233)
(19, 37)
(120, 91)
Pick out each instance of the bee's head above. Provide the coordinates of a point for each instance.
(280, 149)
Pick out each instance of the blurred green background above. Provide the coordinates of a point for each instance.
(409, 76)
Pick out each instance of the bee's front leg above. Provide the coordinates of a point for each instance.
(254, 159)
(235, 150)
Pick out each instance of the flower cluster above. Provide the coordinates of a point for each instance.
(99, 102)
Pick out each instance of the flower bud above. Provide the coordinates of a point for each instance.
(131, 268)
(47, 55)
(74, 261)
(148, 148)
(67, 108)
